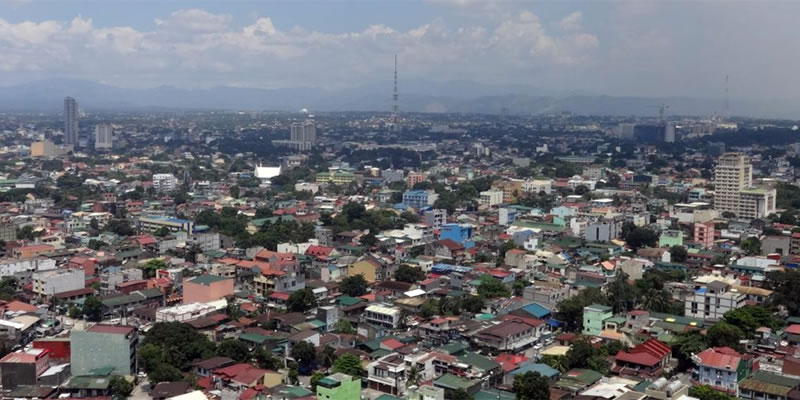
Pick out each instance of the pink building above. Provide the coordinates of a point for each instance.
(206, 288)
(704, 233)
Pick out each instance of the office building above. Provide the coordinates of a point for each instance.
(734, 191)
(104, 346)
(419, 199)
(164, 182)
(71, 121)
(103, 137)
(713, 300)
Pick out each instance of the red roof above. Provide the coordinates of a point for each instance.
(648, 353)
(720, 358)
(451, 244)
(113, 329)
(637, 358)
(20, 306)
(392, 344)
(793, 329)
(510, 362)
(279, 296)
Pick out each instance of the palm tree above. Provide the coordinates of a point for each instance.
(413, 376)
(656, 300)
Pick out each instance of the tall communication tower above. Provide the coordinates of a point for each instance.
(727, 103)
(395, 96)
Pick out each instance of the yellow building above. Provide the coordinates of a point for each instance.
(365, 268)
(511, 189)
(336, 177)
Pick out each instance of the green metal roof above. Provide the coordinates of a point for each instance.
(254, 338)
(207, 279)
(88, 382)
(477, 360)
(454, 348)
(494, 394)
(453, 382)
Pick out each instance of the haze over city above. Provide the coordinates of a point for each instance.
(448, 50)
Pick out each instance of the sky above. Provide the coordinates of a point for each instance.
(639, 48)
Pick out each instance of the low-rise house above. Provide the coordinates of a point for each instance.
(647, 360)
(511, 335)
(388, 375)
(722, 368)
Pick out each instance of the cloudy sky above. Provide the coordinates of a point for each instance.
(662, 48)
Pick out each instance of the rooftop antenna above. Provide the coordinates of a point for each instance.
(395, 96)
(727, 101)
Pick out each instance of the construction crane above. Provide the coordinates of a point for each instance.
(662, 108)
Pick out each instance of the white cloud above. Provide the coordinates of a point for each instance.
(196, 47)
(571, 22)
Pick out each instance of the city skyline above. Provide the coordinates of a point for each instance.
(616, 48)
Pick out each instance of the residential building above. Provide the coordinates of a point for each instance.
(419, 199)
(722, 368)
(339, 386)
(382, 315)
(103, 137)
(71, 130)
(48, 149)
(206, 288)
(512, 335)
(602, 231)
(164, 182)
(435, 217)
(647, 360)
(153, 223)
(388, 375)
(734, 191)
(670, 238)
(491, 198)
(594, 317)
(23, 368)
(103, 346)
(704, 233)
(49, 283)
(712, 301)
(767, 385)
(336, 177)
(414, 178)
(459, 233)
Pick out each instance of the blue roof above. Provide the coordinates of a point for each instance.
(543, 370)
(701, 290)
(537, 310)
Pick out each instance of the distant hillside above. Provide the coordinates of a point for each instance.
(419, 96)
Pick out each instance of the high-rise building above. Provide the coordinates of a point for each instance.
(71, 121)
(164, 182)
(103, 137)
(732, 174)
(302, 136)
(669, 133)
(734, 191)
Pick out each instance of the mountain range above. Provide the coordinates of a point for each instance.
(415, 96)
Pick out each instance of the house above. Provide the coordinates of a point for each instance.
(241, 376)
(103, 346)
(206, 288)
(511, 335)
(23, 368)
(768, 385)
(339, 386)
(722, 368)
(713, 300)
(646, 360)
(449, 249)
(204, 368)
(388, 375)
(594, 317)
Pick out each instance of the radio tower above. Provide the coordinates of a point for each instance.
(727, 104)
(395, 96)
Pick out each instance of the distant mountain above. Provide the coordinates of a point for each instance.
(415, 96)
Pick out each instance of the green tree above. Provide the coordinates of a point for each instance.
(164, 373)
(344, 327)
(93, 309)
(409, 274)
(301, 300)
(150, 267)
(326, 357)
(354, 285)
(369, 240)
(95, 244)
(750, 318)
(723, 334)
(412, 378)
(678, 254)
(349, 364)
(161, 232)
(94, 224)
(639, 237)
(458, 394)
(751, 246)
(558, 363)
(491, 288)
(473, 304)
(120, 227)
(314, 379)
(235, 192)
(293, 376)
(531, 386)
(705, 392)
(785, 286)
(180, 343)
(234, 349)
(150, 356)
(622, 295)
(570, 310)
(120, 387)
(305, 355)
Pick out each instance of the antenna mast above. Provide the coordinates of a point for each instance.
(727, 100)
(395, 96)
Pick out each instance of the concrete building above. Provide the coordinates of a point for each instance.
(164, 182)
(48, 283)
(13, 266)
(103, 137)
(103, 346)
(602, 231)
(491, 198)
(722, 368)
(435, 217)
(388, 375)
(713, 300)
(23, 368)
(71, 130)
(206, 288)
(419, 199)
(302, 136)
(48, 149)
(339, 386)
(382, 315)
(154, 222)
(734, 191)
(594, 317)
(704, 233)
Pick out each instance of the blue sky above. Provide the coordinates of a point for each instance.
(633, 47)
